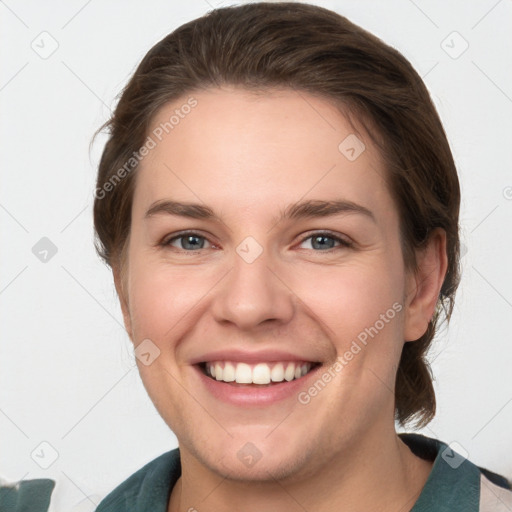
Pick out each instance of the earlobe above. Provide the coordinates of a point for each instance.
(123, 300)
(424, 286)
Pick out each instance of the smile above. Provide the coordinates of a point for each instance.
(258, 373)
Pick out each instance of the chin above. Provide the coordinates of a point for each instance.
(259, 461)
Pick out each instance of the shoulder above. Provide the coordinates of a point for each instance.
(455, 483)
(495, 492)
(31, 495)
(146, 489)
(150, 486)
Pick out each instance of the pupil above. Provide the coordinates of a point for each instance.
(321, 237)
(190, 240)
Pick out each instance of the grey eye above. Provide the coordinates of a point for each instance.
(322, 242)
(325, 241)
(189, 242)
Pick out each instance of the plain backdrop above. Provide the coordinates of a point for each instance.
(68, 374)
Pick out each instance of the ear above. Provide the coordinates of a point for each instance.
(424, 285)
(120, 285)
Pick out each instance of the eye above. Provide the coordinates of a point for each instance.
(186, 242)
(325, 241)
(191, 241)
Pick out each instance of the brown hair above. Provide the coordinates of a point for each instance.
(261, 46)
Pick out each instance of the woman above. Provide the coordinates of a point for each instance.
(279, 206)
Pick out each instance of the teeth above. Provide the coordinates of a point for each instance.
(277, 373)
(218, 371)
(229, 373)
(289, 373)
(243, 374)
(260, 373)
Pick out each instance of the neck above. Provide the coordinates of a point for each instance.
(374, 473)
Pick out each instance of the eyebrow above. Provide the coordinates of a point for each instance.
(300, 210)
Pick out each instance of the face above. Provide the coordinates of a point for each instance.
(286, 276)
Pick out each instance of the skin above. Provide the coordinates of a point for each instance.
(248, 157)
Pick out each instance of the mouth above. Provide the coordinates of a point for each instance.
(257, 375)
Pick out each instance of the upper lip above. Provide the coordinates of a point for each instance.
(243, 356)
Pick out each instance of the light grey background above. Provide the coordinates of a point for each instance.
(68, 376)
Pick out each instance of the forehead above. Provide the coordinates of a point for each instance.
(235, 148)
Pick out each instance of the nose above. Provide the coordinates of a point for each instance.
(253, 293)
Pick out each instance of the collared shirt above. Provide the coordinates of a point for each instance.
(454, 485)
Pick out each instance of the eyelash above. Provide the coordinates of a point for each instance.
(343, 244)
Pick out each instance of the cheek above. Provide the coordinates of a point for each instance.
(361, 310)
(161, 298)
(349, 300)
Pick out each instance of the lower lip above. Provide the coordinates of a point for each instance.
(247, 395)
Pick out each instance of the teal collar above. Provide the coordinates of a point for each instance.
(453, 484)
